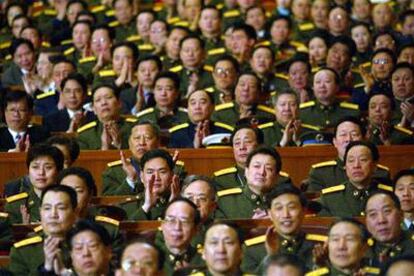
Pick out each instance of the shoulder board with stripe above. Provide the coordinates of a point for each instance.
(98, 9)
(359, 85)
(336, 188)
(209, 89)
(133, 38)
(178, 127)
(38, 228)
(220, 6)
(4, 215)
(281, 76)
(69, 51)
(14, 198)
(383, 167)
(223, 106)
(180, 163)
(176, 69)
(231, 13)
(385, 187)
(263, 43)
(311, 127)
(66, 42)
(182, 23)
(157, 8)
(225, 171)
(131, 120)
(110, 13)
(297, 43)
(232, 191)
(107, 73)
(50, 12)
(267, 125)
(324, 164)
(45, 44)
(370, 242)
(182, 109)
(145, 111)
(256, 240)
(266, 109)
(216, 51)
(173, 20)
(37, 4)
(318, 272)
(199, 273)
(107, 220)
(403, 129)
(349, 105)
(316, 237)
(114, 163)
(371, 270)
(8, 57)
(37, 13)
(307, 104)
(25, 242)
(306, 26)
(366, 64)
(223, 125)
(45, 95)
(87, 126)
(5, 45)
(208, 68)
(284, 174)
(114, 24)
(146, 47)
(87, 59)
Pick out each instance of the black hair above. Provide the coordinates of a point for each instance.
(19, 4)
(351, 119)
(17, 96)
(70, 143)
(157, 153)
(193, 178)
(73, 197)
(403, 47)
(385, 51)
(87, 13)
(266, 151)
(365, 235)
(344, 40)
(392, 196)
(114, 89)
(82, 3)
(280, 17)
(155, 128)
(20, 16)
(247, 29)
(403, 65)
(286, 91)
(79, 78)
(131, 46)
(336, 75)
(153, 58)
(372, 147)
(239, 232)
(381, 33)
(210, 96)
(193, 36)
(322, 34)
(16, 43)
(405, 14)
(109, 30)
(197, 217)
(303, 58)
(88, 225)
(213, 7)
(82, 173)
(147, 11)
(160, 253)
(57, 59)
(402, 173)
(230, 59)
(264, 47)
(114, 2)
(286, 188)
(85, 22)
(258, 132)
(386, 94)
(283, 260)
(33, 27)
(169, 75)
(182, 28)
(253, 74)
(40, 150)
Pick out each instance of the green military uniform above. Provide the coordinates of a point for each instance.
(233, 177)
(255, 251)
(397, 135)
(314, 113)
(214, 49)
(85, 66)
(346, 200)
(153, 114)
(133, 208)
(6, 235)
(29, 199)
(229, 113)
(43, 19)
(332, 271)
(205, 78)
(302, 31)
(363, 59)
(216, 93)
(145, 48)
(89, 135)
(115, 183)
(168, 63)
(407, 225)
(104, 76)
(230, 17)
(73, 55)
(123, 32)
(330, 173)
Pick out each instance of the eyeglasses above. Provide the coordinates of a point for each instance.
(223, 71)
(381, 61)
(99, 40)
(128, 264)
(171, 221)
(19, 111)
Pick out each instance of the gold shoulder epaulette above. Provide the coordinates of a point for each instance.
(225, 171)
(359, 85)
(4, 215)
(146, 47)
(45, 44)
(198, 273)
(133, 38)
(208, 68)
(266, 109)
(38, 228)
(178, 127)
(263, 43)
(8, 57)
(371, 270)
(14, 198)
(66, 42)
(385, 187)
(256, 240)
(173, 20)
(216, 51)
(318, 272)
(69, 51)
(180, 163)
(403, 129)
(223, 125)
(45, 95)
(281, 76)
(182, 109)
(87, 59)
(29, 241)
(349, 105)
(220, 6)
(107, 73)
(324, 164)
(87, 126)
(284, 174)
(157, 8)
(231, 191)
(5, 45)
(182, 23)
(266, 125)
(366, 64)
(223, 106)
(231, 13)
(98, 8)
(51, 12)
(107, 220)
(336, 188)
(383, 167)
(311, 127)
(176, 69)
(307, 104)
(110, 13)
(131, 120)
(306, 26)
(145, 111)
(114, 24)
(316, 237)
(114, 163)
(209, 89)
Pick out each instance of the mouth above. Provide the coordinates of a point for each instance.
(287, 223)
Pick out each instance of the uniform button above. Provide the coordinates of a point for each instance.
(253, 196)
(327, 122)
(257, 202)
(355, 193)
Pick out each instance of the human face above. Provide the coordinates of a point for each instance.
(245, 4)
(89, 255)
(140, 259)
(261, 173)
(240, 42)
(345, 246)
(402, 83)
(286, 213)
(123, 11)
(32, 35)
(79, 185)
(105, 104)
(298, 75)
(165, 93)
(286, 108)
(338, 57)
(222, 250)
(244, 141)
(42, 172)
(178, 227)
(361, 9)
(401, 268)
(279, 31)
(158, 169)
(383, 218)
(319, 12)
(285, 270)
(246, 90)
(158, 33)
(120, 56)
(141, 140)
(12, 13)
(379, 109)
(382, 65)
(61, 71)
(209, 22)
(346, 132)
(324, 86)
(381, 16)
(404, 189)
(407, 55)
(200, 107)
(24, 57)
(361, 37)
(172, 45)
(317, 50)
(191, 9)
(72, 95)
(18, 25)
(191, 53)
(301, 9)
(44, 67)
(66, 155)
(256, 18)
(144, 21)
(73, 11)
(200, 193)
(360, 166)
(17, 115)
(338, 21)
(262, 61)
(101, 43)
(224, 75)
(56, 213)
(147, 71)
(384, 41)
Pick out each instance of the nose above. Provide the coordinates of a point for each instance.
(221, 247)
(85, 251)
(381, 218)
(141, 140)
(342, 243)
(285, 212)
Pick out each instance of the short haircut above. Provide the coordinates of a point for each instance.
(157, 153)
(402, 173)
(86, 13)
(57, 59)
(278, 18)
(381, 33)
(79, 78)
(283, 189)
(82, 173)
(82, 3)
(403, 65)
(391, 195)
(257, 131)
(321, 34)
(212, 7)
(239, 232)
(17, 96)
(344, 40)
(385, 51)
(190, 179)
(351, 119)
(336, 75)
(403, 47)
(287, 91)
(386, 94)
(88, 225)
(85, 22)
(62, 189)
(361, 24)
(169, 75)
(210, 96)
(155, 128)
(33, 27)
(129, 45)
(303, 58)
(266, 48)
(283, 260)
(41, 150)
(392, 261)
(109, 30)
(230, 59)
(193, 36)
(266, 151)
(181, 28)
(114, 89)
(115, 1)
(16, 43)
(21, 5)
(197, 217)
(365, 235)
(151, 12)
(70, 143)
(247, 29)
(372, 147)
(153, 58)
(253, 74)
(160, 253)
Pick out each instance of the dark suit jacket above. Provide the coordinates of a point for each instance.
(36, 133)
(17, 186)
(59, 121)
(12, 76)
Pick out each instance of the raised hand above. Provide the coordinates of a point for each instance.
(51, 251)
(128, 168)
(175, 188)
(320, 254)
(105, 139)
(114, 133)
(25, 214)
(122, 78)
(272, 241)
(76, 121)
(150, 198)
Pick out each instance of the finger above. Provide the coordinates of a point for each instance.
(175, 156)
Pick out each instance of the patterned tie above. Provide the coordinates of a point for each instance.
(17, 138)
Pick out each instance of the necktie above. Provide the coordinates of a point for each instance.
(17, 138)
